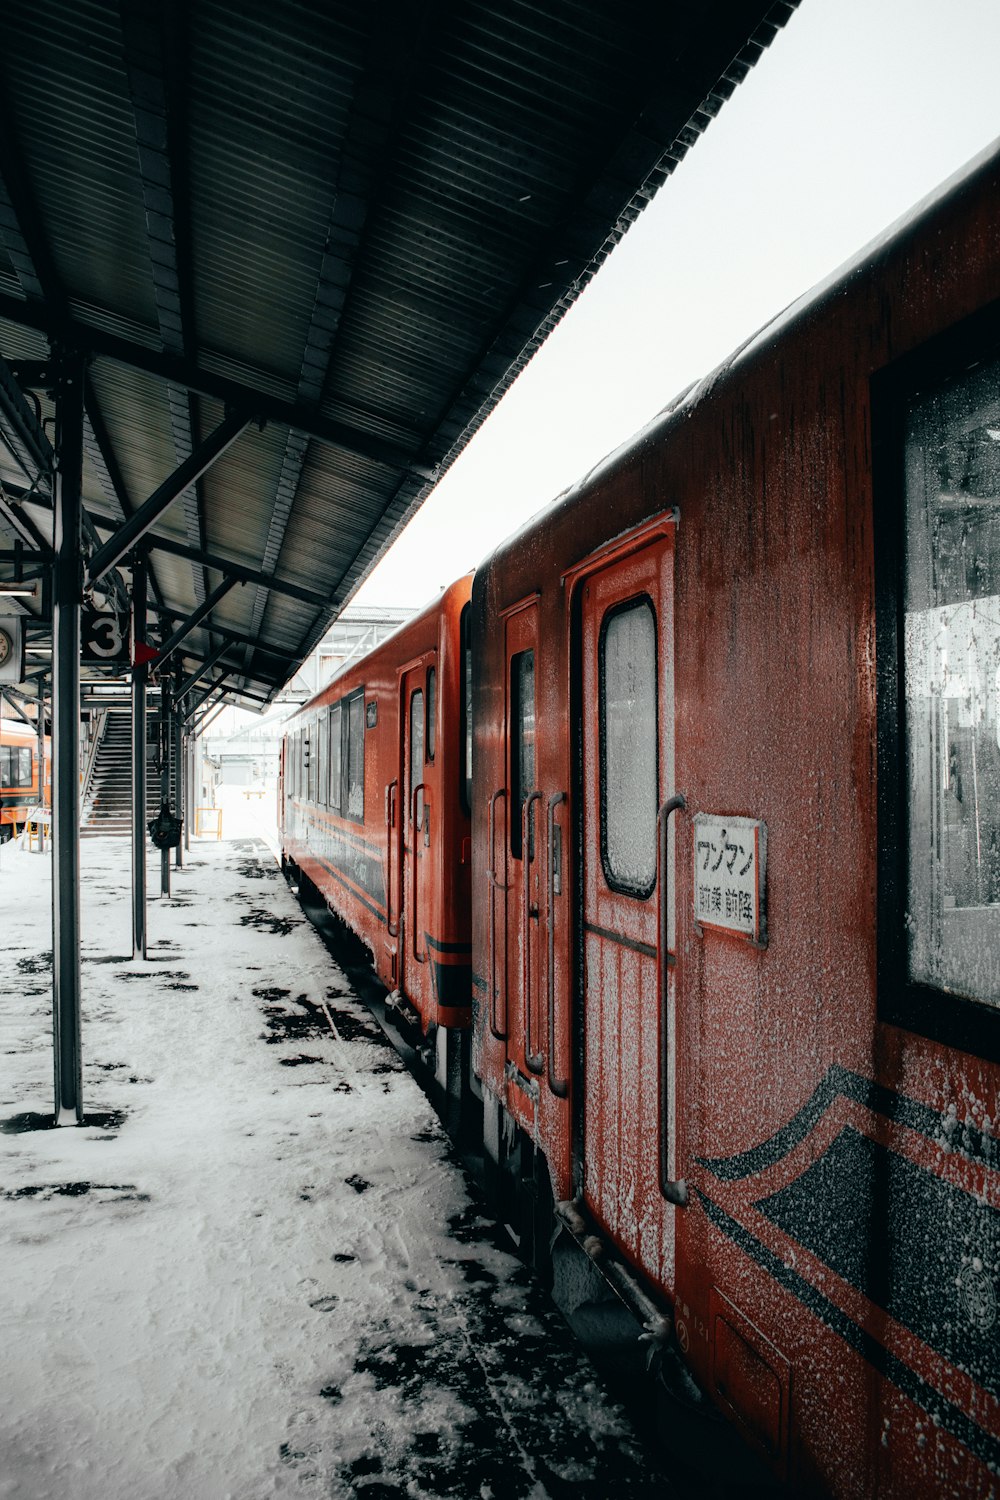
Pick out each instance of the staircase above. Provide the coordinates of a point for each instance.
(108, 808)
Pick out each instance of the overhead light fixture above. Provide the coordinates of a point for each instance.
(18, 590)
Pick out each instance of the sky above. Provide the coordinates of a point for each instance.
(857, 111)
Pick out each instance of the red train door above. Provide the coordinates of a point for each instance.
(627, 733)
(413, 801)
(516, 959)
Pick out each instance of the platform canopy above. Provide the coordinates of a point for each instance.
(306, 248)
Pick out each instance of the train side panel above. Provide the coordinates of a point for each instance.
(373, 811)
(699, 1016)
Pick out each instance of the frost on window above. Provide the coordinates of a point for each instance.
(417, 757)
(335, 757)
(522, 683)
(629, 779)
(951, 653)
(356, 756)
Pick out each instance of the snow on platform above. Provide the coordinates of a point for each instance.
(262, 1274)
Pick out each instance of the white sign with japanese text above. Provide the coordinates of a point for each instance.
(730, 858)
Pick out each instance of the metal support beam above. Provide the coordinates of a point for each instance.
(210, 716)
(40, 751)
(139, 767)
(228, 430)
(9, 698)
(186, 372)
(194, 620)
(199, 703)
(67, 595)
(206, 666)
(177, 726)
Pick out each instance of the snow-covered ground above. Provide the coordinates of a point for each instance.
(263, 1274)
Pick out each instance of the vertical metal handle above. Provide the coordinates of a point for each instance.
(534, 1061)
(558, 1086)
(674, 1192)
(495, 887)
(419, 790)
(392, 870)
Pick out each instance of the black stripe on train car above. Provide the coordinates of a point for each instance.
(440, 947)
(452, 983)
(922, 1249)
(942, 1411)
(347, 883)
(944, 1131)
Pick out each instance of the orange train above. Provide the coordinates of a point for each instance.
(734, 865)
(19, 781)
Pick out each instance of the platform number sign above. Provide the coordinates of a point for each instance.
(103, 637)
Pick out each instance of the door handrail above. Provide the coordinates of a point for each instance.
(534, 1061)
(395, 869)
(558, 1086)
(419, 790)
(674, 1192)
(495, 887)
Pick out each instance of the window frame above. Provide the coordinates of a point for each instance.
(336, 737)
(518, 794)
(623, 606)
(348, 703)
(955, 1020)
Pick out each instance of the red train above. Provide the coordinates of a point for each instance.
(735, 866)
(19, 781)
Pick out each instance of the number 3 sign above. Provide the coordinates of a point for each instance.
(103, 637)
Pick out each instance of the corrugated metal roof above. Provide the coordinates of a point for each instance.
(355, 222)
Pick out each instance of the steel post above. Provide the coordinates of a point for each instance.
(67, 594)
(138, 765)
(40, 729)
(180, 788)
(166, 739)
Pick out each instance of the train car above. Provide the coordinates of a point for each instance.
(19, 775)
(736, 869)
(374, 806)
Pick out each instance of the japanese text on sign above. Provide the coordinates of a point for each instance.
(729, 866)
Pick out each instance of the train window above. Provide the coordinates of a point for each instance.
(522, 697)
(417, 753)
(951, 648)
(431, 740)
(322, 757)
(312, 757)
(15, 766)
(336, 760)
(938, 655)
(628, 738)
(355, 707)
(466, 710)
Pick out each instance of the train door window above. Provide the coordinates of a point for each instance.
(417, 754)
(355, 707)
(323, 758)
(628, 747)
(939, 846)
(522, 697)
(312, 755)
(466, 710)
(336, 759)
(431, 732)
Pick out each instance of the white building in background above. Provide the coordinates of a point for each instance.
(247, 747)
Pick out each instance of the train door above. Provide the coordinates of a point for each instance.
(413, 799)
(516, 936)
(626, 698)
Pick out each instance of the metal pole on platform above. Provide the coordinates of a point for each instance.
(166, 739)
(189, 799)
(67, 594)
(138, 764)
(40, 731)
(181, 789)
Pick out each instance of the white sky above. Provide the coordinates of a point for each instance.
(859, 109)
